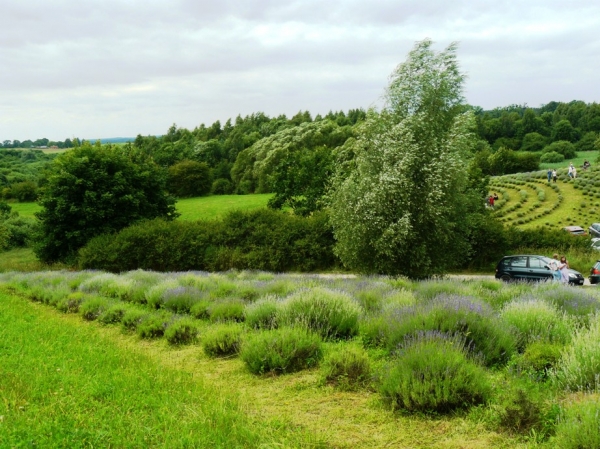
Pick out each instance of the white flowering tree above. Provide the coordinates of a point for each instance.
(404, 206)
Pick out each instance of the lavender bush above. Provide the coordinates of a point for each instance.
(432, 373)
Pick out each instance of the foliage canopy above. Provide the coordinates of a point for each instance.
(404, 208)
(93, 190)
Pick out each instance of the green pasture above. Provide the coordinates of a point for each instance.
(200, 208)
(20, 259)
(215, 206)
(26, 209)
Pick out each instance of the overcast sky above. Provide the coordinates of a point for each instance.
(118, 68)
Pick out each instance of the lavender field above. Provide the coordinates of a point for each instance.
(518, 363)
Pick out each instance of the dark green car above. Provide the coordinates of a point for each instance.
(533, 268)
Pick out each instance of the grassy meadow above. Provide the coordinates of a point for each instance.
(215, 206)
(201, 208)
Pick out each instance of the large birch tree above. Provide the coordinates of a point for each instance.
(402, 205)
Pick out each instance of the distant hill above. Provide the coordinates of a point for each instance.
(113, 140)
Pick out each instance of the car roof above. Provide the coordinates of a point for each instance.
(573, 228)
(526, 255)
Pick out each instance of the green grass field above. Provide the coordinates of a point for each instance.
(215, 206)
(590, 156)
(200, 208)
(25, 209)
(21, 259)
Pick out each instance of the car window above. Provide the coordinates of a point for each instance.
(536, 262)
(596, 226)
(596, 244)
(518, 262)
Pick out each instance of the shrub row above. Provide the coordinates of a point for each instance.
(262, 240)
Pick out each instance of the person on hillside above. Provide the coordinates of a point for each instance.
(496, 197)
(491, 201)
(563, 267)
(549, 174)
(570, 173)
(586, 164)
(574, 173)
(554, 176)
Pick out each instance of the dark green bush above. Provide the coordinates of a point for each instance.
(263, 239)
(552, 157)
(189, 178)
(433, 374)
(132, 318)
(533, 142)
(540, 357)
(70, 303)
(21, 231)
(114, 314)
(222, 340)
(221, 186)
(347, 368)
(92, 308)
(283, 350)
(541, 237)
(567, 149)
(156, 245)
(181, 331)
(153, 325)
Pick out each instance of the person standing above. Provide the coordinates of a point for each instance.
(553, 265)
(491, 201)
(554, 175)
(570, 173)
(549, 174)
(563, 267)
(574, 173)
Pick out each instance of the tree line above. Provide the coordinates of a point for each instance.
(39, 143)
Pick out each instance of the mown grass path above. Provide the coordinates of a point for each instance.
(68, 383)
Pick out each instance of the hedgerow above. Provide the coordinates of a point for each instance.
(262, 239)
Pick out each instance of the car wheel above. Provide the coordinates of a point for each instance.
(506, 278)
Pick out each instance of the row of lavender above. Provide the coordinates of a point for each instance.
(508, 354)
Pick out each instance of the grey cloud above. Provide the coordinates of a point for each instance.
(140, 66)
